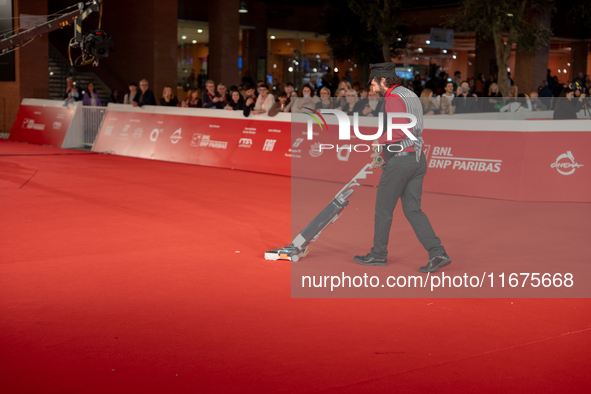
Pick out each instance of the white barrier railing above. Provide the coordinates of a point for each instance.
(92, 118)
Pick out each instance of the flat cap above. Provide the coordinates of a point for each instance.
(381, 70)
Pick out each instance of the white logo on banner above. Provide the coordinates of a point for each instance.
(245, 143)
(108, 130)
(57, 125)
(269, 144)
(343, 152)
(443, 158)
(30, 124)
(176, 136)
(274, 131)
(249, 130)
(60, 116)
(204, 141)
(297, 142)
(137, 133)
(154, 134)
(315, 150)
(564, 162)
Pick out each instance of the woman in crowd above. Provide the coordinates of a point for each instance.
(325, 101)
(128, 98)
(344, 87)
(429, 103)
(280, 105)
(114, 97)
(236, 102)
(167, 99)
(307, 99)
(567, 105)
(91, 97)
(494, 100)
(292, 98)
(520, 104)
(352, 103)
(192, 100)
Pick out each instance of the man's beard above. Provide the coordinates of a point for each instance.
(383, 91)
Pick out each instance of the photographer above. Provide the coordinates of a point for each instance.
(568, 106)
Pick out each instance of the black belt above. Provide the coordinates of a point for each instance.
(389, 154)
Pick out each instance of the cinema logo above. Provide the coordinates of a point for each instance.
(444, 159)
(204, 141)
(566, 164)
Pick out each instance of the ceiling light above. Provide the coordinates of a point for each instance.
(336, 70)
(444, 51)
(272, 37)
(428, 42)
(242, 8)
(184, 37)
(199, 31)
(290, 69)
(194, 41)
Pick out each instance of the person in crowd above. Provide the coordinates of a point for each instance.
(224, 95)
(493, 100)
(464, 102)
(128, 98)
(168, 99)
(210, 98)
(536, 104)
(513, 91)
(521, 103)
(236, 102)
(417, 85)
(429, 103)
(446, 100)
(280, 105)
(288, 88)
(457, 80)
(567, 105)
(192, 100)
(91, 97)
(545, 91)
(250, 101)
(491, 79)
(348, 77)
(307, 99)
(341, 93)
(479, 85)
(370, 106)
(363, 92)
(69, 86)
(352, 103)
(265, 100)
(579, 79)
(313, 85)
(292, 98)
(327, 81)
(200, 79)
(587, 84)
(443, 80)
(325, 101)
(73, 96)
(144, 96)
(114, 97)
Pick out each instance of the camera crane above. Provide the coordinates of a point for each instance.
(94, 45)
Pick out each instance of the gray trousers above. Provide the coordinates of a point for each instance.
(402, 177)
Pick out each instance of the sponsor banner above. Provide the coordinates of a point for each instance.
(520, 166)
(245, 144)
(43, 125)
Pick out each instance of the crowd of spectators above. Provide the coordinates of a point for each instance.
(441, 95)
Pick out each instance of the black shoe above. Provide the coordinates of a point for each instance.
(436, 263)
(369, 260)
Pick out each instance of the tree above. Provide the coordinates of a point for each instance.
(380, 15)
(366, 30)
(514, 19)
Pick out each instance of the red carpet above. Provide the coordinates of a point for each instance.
(122, 275)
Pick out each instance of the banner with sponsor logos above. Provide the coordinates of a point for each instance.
(43, 122)
(519, 166)
(464, 157)
(238, 143)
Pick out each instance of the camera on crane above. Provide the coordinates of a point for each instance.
(97, 44)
